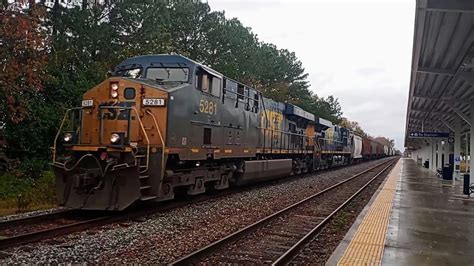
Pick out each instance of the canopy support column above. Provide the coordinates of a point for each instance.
(471, 145)
(457, 148)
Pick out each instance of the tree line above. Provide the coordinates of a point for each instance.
(51, 55)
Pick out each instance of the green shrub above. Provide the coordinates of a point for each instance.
(12, 185)
(21, 194)
(44, 188)
(33, 168)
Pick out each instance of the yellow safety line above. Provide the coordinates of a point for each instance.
(367, 245)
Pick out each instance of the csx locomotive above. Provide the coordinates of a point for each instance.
(165, 124)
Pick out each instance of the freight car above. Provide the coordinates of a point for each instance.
(367, 153)
(357, 148)
(165, 124)
(380, 150)
(372, 149)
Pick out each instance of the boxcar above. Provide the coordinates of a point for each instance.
(366, 149)
(373, 149)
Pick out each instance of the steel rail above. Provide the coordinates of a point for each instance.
(49, 233)
(298, 246)
(53, 232)
(33, 219)
(142, 211)
(98, 221)
(200, 253)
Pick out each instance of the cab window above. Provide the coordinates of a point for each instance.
(240, 92)
(176, 74)
(216, 86)
(208, 83)
(129, 73)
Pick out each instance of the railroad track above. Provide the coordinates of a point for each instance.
(24, 221)
(36, 228)
(31, 229)
(40, 227)
(278, 238)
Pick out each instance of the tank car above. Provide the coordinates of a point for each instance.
(165, 124)
(357, 148)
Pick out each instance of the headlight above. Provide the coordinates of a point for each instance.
(114, 89)
(114, 86)
(67, 137)
(114, 138)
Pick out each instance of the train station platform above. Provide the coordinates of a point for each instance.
(415, 218)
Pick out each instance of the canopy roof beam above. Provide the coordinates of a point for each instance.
(447, 124)
(436, 71)
(461, 114)
(458, 6)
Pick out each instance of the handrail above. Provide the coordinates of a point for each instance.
(147, 140)
(162, 142)
(141, 126)
(297, 145)
(57, 135)
(266, 121)
(286, 132)
(105, 107)
(60, 129)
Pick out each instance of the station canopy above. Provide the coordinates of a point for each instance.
(442, 71)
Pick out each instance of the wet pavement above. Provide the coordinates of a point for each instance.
(431, 223)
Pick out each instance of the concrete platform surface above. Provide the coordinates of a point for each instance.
(430, 222)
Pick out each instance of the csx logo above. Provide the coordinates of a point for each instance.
(117, 113)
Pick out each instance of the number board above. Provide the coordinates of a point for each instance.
(154, 102)
(87, 103)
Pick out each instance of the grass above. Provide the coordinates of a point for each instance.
(20, 194)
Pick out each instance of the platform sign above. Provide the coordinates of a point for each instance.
(428, 134)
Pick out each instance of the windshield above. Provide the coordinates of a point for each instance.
(129, 73)
(176, 74)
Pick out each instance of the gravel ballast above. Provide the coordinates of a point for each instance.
(164, 237)
(29, 214)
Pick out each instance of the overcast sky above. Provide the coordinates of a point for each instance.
(359, 51)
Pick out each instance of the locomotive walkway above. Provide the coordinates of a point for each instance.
(415, 219)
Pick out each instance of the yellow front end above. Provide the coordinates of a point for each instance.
(109, 153)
